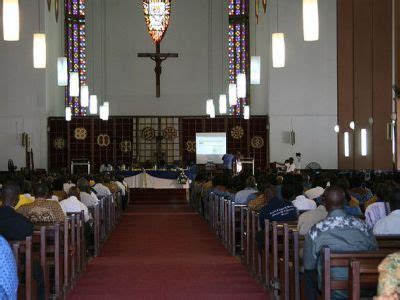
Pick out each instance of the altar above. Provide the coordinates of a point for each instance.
(155, 179)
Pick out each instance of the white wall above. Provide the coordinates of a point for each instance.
(24, 89)
(129, 82)
(303, 95)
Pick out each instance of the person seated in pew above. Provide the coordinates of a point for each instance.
(25, 197)
(311, 217)
(73, 205)
(381, 207)
(99, 188)
(87, 197)
(390, 225)
(220, 183)
(389, 278)
(241, 197)
(58, 189)
(110, 184)
(351, 205)
(266, 192)
(15, 227)
(301, 202)
(8, 272)
(280, 210)
(42, 210)
(338, 231)
(123, 189)
(359, 191)
(315, 194)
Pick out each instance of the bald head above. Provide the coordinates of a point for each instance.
(11, 194)
(334, 198)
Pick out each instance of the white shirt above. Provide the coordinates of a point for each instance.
(73, 205)
(389, 224)
(375, 212)
(88, 199)
(290, 168)
(303, 203)
(241, 196)
(101, 189)
(53, 198)
(67, 186)
(121, 187)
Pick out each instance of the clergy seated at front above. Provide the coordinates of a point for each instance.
(339, 232)
(390, 225)
(42, 210)
(242, 196)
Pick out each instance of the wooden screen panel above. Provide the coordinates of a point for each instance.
(102, 154)
(80, 146)
(189, 128)
(147, 147)
(170, 147)
(258, 127)
(242, 144)
(123, 138)
(57, 153)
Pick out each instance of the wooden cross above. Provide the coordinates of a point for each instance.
(158, 57)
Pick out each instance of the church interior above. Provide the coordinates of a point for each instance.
(200, 149)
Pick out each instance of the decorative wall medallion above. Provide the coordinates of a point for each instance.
(170, 133)
(103, 140)
(191, 146)
(125, 146)
(148, 133)
(59, 143)
(237, 132)
(257, 142)
(80, 133)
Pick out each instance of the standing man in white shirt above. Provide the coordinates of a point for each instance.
(390, 225)
(290, 166)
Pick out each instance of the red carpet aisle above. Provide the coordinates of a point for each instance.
(165, 253)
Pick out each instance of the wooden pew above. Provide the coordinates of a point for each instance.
(344, 259)
(362, 275)
(236, 243)
(95, 212)
(23, 256)
(245, 234)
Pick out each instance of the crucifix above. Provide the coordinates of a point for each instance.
(157, 15)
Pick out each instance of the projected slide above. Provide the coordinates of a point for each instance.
(210, 147)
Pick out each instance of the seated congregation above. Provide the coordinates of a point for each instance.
(333, 235)
(50, 226)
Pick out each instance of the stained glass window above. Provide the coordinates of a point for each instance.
(75, 33)
(238, 47)
(156, 15)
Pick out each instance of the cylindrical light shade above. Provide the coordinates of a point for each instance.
(212, 113)
(74, 84)
(39, 50)
(84, 96)
(352, 125)
(346, 144)
(10, 20)
(232, 94)
(93, 104)
(246, 112)
(222, 104)
(62, 71)
(101, 112)
(209, 106)
(310, 20)
(106, 106)
(336, 128)
(241, 85)
(255, 70)
(278, 50)
(68, 113)
(364, 142)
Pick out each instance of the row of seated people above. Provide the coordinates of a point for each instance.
(339, 226)
(26, 207)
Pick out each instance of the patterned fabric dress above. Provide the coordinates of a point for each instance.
(389, 278)
(8, 272)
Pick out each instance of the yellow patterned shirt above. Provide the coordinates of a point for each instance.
(389, 278)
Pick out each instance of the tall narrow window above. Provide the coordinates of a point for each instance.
(238, 48)
(75, 32)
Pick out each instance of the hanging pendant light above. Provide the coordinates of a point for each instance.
(62, 71)
(255, 70)
(106, 105)
(74, 84)
(241, 85)
(101, 112)
(310, 20)
(209, 106)
(68, 114)
(246, 112)
(278, 50)
(39, 50)
(84, 96)
(222, 104)
(93, 104)
(10, 20)
(232, 94)
(212, 113)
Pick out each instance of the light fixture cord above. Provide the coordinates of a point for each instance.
(39, 15)
(277, 15)
(255, 32)
(210, 25)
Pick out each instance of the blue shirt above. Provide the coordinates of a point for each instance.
(242, 196)
(277, 210)
(228, 160)
(8, 272)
